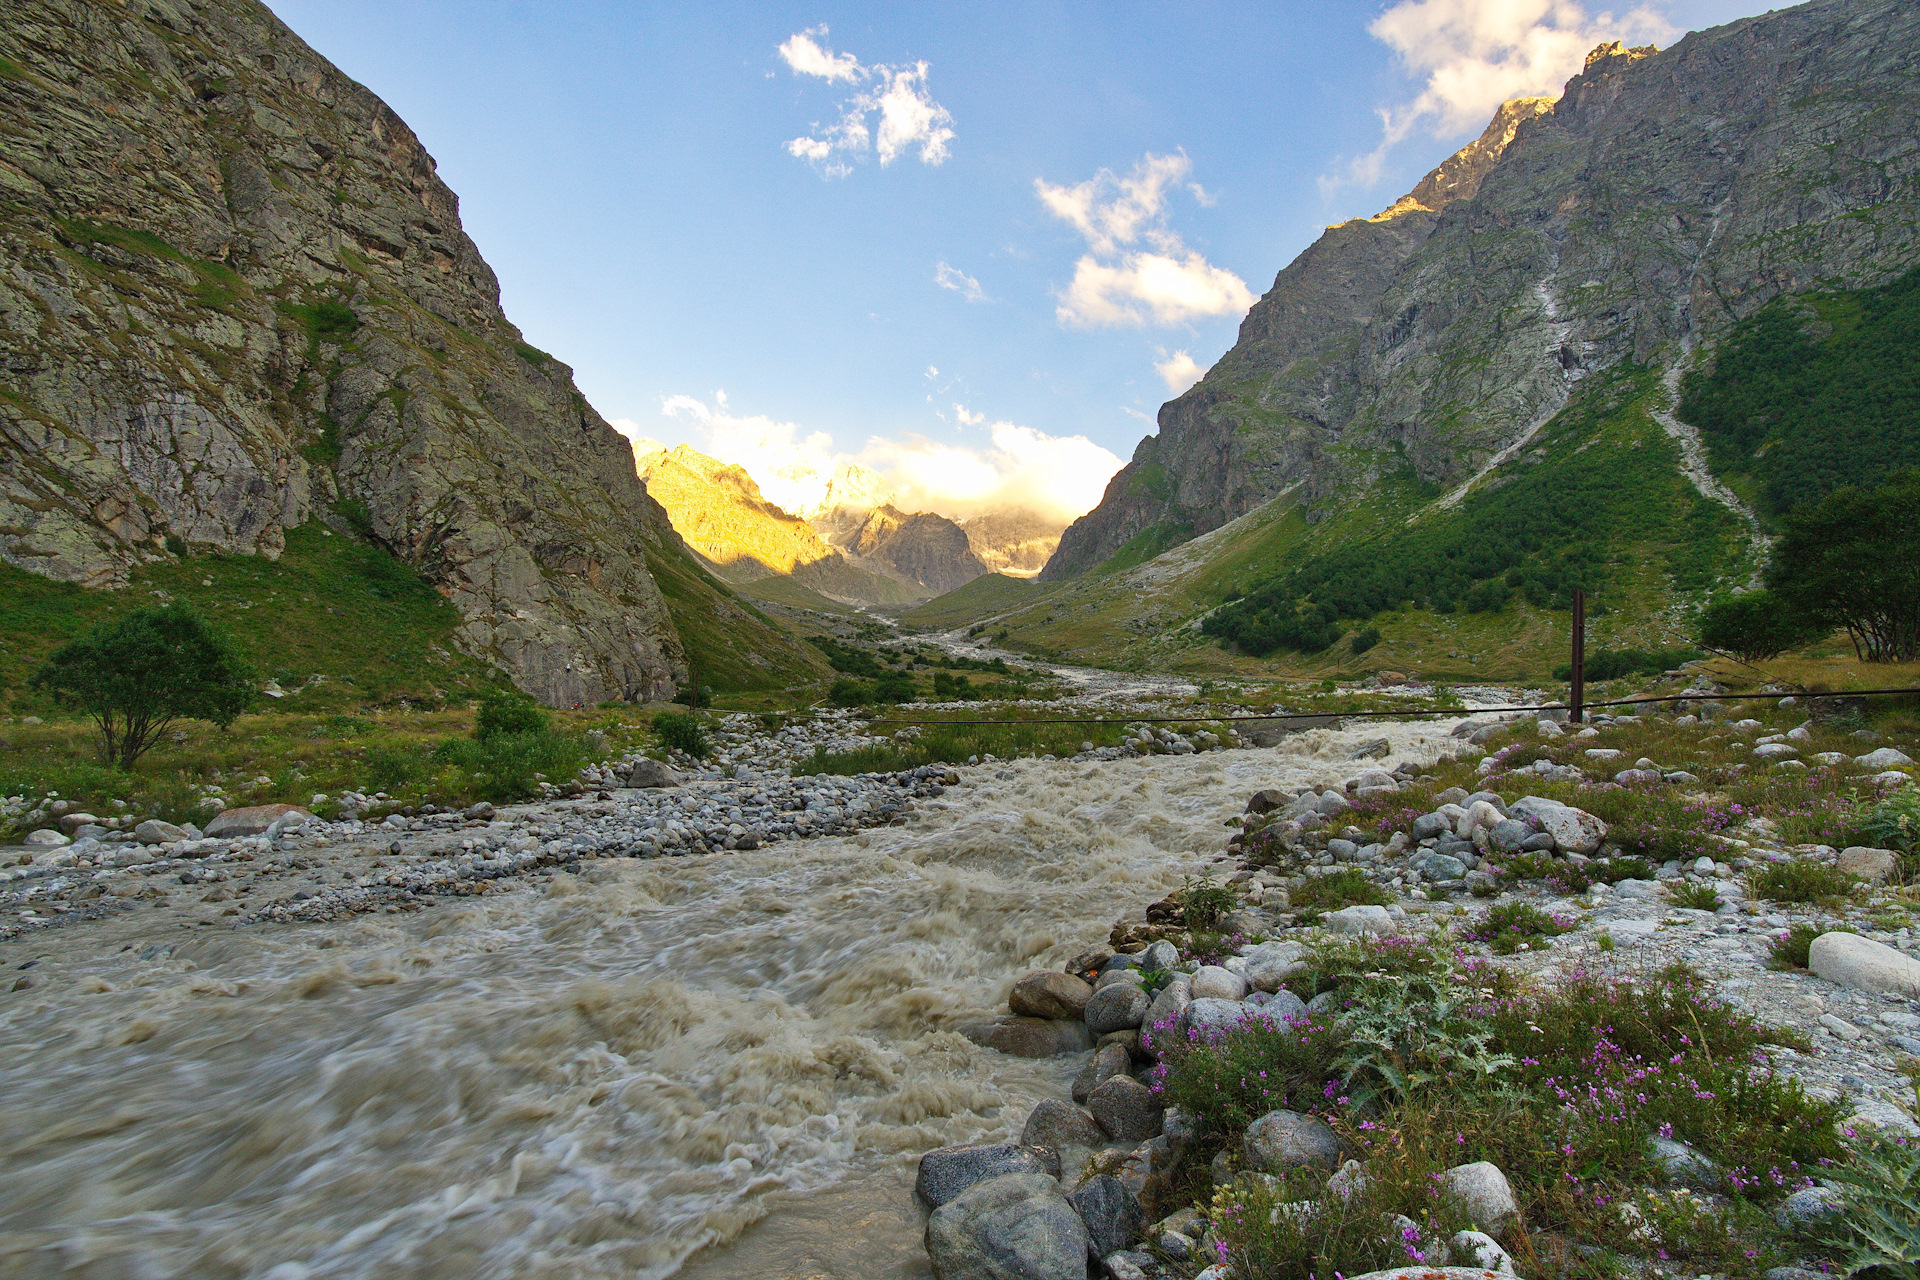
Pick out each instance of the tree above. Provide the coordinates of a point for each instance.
(1853, 560)
(137, 675)
(507, 711)
(1755, 626)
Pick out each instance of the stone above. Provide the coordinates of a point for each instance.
(1128, 1265)
(1508, 835)
(1267, 801)
(946, 1172)
(1283, 1140)
(1843, 1029)
(1031, 1037)
(1116, 1007)
(1111, 1212)
(1124, 974)
(1014, 1227)
(1211, 982)
(480, 811)
(1271, 963)
(1108, 1060)
(1776, 751)
(1872, 1114)
(45, 838)
(1884, 758)
(1209, 1019)
(254, 820)
(1358, 920)
(1849, 960)
(1284, 1006)
(1126, 1109)
(1332, 804)
(1167, 1014)
(154, 831)
(1808, 1208)
(1349, 1180)
(1440, 866)
(1483, 1192)
(1482, 1250)
(1057, 1124)
(1684, 1165)
(1372, 749)
(1573, 830)
(651, 774)
(72, 822)
(1479, 815)
(1874, 865)
(1429, 826)
(1548, 729)
(1160, 955)
(1048, 993)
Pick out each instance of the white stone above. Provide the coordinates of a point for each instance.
(1883, 1115)
(1358, 920)
(1573, 830)
(1212, 982)
(1482, 1250)
(1845, 1030)
(1270, 964)
(1884, 758)
(1484, 1192)
(44, 838)
(1776, 751)
(1480, 815)
(1848, 960)
(1548, 729)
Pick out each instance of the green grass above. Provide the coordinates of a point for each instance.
(954, 744)
(1802, 881)
(984, 597)
(217, 286)
(1348, 887)
(734, 647)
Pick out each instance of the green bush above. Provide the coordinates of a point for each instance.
(1852, 560)
(1789, 950)
(510, 766)
(1348, 887)
(504, 711)
(1698, 897)
(138, 674)
(1755, 626)
(1515, 926)
(1203, 903)
(1881, 1229)
(1799, 880)
(1362, 640)
(895, 687)
(681, 731)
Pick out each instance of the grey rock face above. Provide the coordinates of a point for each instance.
(1282, 1140)
(1111, 1213)
(1759, 158)
(167, 382)
(1014, 1227)
(948, 1171)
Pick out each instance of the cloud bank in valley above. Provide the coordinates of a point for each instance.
(1057, 476)
(1473, 55)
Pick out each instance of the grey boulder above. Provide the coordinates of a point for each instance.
(1108, 1060)
(154, 831)
(1031, 1037)
(1116, 1007)
(1058, 1124)
(1282, 1140)
(1014, 1227)
(1126, 1109)
(1111, 1214)
(947, 1172)
(649, 773)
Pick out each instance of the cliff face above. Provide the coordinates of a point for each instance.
(923, 548)
(1015, 541)
(234, 297)
(1664, 196)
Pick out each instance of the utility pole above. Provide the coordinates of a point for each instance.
(1579, 656)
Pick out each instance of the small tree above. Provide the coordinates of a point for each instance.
(507, 711)
(1853, 560)
(137, 675)
(1755, 626)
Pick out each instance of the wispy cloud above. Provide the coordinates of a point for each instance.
(950, 277)
(1473, 55)
(1059, 476)
(895, 106)
(1137, 269)
(1179, 371)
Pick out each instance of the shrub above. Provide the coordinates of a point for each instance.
(895, 686)
(1698, 897)
(1203, 903)
(1894, 823)
(850, 693)
(681, 731)
(507, 711)
(505, 765)
(1363, 639)
(1755, 626)
(1881, 1229)
(1799, 880)
(1852, 560)
(1516, 926)
(1348, 887)
(135, 676)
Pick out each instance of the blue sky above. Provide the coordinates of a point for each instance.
(987, 300)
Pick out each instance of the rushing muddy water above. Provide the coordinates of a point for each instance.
(716, 1066)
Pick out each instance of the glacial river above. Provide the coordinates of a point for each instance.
(718, 1066)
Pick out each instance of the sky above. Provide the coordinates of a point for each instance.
(971, 246)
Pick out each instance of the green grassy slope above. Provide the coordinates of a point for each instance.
(733, 646)
(982, 598)
(784, 590)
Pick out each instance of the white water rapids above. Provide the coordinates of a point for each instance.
(708, 1066)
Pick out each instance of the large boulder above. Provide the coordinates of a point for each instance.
(649, 773)
(1484, 1192)
(1282, 1140)
(1875, 865)
(1357, 920)
(1109, 1060)
(254, 820)
(1270, 964)
(1049, 994)
(1166, 1016)
(947, 1172)
(1209, 1019)
(1110, 1211)
(45, 838)
(1014, 1227)
(1211, 982)
(1031, 1037)
(1116, 1007)
(1057, 1124)
(1884, 758)
(154, 831)
(1573, 830)
(1126, 1109)
(1849, 960)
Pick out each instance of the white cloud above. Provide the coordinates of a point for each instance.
(1179, 371)
(908, 117)
(1473, 55)
(1060, 476)
(1118, 284)
(966, 418)
(809, 58)
(960, 282)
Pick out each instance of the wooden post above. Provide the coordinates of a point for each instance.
(1579, 657)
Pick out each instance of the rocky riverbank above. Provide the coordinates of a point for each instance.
(1524, 897)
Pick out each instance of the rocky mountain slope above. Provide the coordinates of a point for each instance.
(719, 511)
(1013, 541)
(919, 547)
(1663, 197)
(236, 298)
